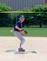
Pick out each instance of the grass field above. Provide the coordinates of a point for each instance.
(5, 31)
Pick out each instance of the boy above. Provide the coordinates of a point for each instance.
(18, 29)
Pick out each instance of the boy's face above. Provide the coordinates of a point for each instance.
(22, 19)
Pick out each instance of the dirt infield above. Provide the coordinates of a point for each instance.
(38, 44)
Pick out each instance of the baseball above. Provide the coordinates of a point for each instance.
(11, 30)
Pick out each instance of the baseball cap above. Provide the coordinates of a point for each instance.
(21, 16)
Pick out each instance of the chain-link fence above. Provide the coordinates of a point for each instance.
(9, 18)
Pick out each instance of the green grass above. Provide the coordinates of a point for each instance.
(5, 31)
(37, 32)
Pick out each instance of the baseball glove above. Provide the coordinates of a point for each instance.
(24, 32)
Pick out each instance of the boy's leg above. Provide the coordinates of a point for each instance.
(21, 38)
(21, 44)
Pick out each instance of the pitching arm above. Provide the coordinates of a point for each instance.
(18, 28)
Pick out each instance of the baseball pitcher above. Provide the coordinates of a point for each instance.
(19, 32)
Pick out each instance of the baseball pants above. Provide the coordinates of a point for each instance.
(19, 36)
